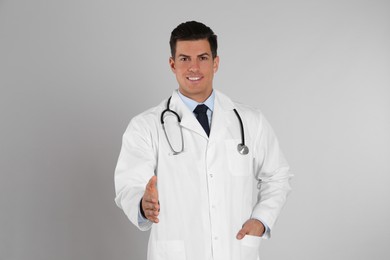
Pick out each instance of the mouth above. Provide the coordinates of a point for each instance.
(194, 78)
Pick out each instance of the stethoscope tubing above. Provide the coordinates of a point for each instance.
(169, 110)
(241, 126)
(242, 148)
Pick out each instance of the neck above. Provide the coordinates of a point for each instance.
(200, 98)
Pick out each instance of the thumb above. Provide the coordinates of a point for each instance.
(152, 183)
(241, 234)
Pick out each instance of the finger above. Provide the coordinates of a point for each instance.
(151, 206)
(152, 216)
(155, 220)
(147, 206)
(151, 213)
(150, 199)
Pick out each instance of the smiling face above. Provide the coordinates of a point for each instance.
(194, 68)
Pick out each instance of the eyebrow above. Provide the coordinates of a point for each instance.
(203, 54)
(182, 55)
(200, 55)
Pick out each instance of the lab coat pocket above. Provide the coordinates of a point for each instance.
(171, 249)
(238, 164)
(250, 247)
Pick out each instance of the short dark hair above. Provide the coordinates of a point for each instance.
(193, 30)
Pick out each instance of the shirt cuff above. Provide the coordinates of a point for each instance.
(141, 219)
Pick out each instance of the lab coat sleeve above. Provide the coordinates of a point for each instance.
(136, 165)
(273, 175)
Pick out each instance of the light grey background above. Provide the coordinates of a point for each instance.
(73, 73)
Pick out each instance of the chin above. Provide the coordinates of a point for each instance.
(195, 90)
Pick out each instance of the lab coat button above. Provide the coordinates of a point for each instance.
(215, 238)
(211, 175)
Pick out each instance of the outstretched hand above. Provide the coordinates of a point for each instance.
(251, 227)
(150, 204)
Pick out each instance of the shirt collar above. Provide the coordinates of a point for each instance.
(191, 104)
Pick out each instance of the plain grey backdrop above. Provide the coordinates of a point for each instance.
(73, 73)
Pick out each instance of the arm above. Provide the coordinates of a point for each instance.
(272, 174)
(136, 166)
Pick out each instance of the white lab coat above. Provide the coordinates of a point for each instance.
(207, 192)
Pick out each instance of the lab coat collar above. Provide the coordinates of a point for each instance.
(223, 101)
(188, 120)
(220, 120)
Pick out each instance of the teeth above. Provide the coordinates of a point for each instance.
(193, 78)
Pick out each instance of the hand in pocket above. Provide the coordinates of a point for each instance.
(251, 227)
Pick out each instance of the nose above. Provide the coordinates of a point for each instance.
(194, 66)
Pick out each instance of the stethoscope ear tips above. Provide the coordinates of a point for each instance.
(242, 149)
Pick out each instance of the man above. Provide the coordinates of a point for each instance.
(187, 181)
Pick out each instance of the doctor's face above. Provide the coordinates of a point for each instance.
(194, 68)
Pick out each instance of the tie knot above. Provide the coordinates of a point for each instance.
(201, 109)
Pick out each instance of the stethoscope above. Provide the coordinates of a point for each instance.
(241, 147)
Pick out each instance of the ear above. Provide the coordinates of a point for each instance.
(216, 64)
(172, 64)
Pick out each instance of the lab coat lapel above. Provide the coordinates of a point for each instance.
(221, 120)
(188, 119)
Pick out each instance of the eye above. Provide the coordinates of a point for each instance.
(204, 58)
(183, 59)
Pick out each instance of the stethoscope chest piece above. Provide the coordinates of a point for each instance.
(242, 149)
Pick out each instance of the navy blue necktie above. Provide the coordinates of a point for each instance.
(201, 115)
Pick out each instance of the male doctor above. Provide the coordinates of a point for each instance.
(187, 181)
